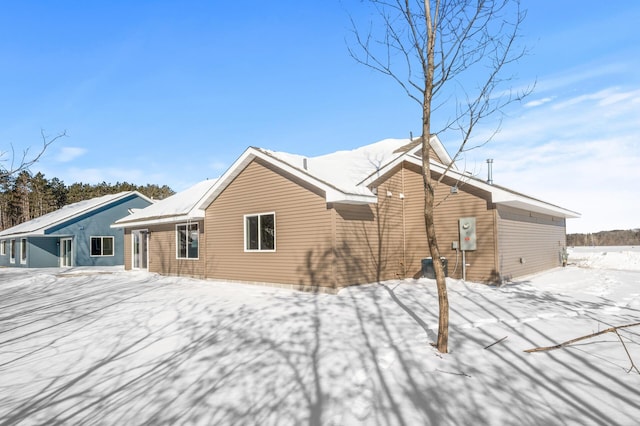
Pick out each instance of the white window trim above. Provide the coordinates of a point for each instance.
(12, 251)
(3, 248)
(23, 251)
(113, 246)
(187, 224)
(244, 226)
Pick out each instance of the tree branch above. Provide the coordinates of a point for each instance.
(577, 339)
(26, 162)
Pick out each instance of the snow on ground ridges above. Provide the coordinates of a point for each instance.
(132, 347)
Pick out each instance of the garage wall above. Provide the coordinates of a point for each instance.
(528, 242)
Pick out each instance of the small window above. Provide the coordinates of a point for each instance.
(23, 250)
(102, 246)
(260, 232)
(187, 241)
(3, 248)
(12, 251)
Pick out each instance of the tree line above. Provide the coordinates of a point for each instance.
(24, 196)
(630, 237)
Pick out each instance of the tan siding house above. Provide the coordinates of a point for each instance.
(528, 242)
(346, 218)
(302, 243)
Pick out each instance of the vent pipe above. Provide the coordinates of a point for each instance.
(304, 163)
(490, 171)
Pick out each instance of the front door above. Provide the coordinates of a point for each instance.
(66, 250)
(140, 239)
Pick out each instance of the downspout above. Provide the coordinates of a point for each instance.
(404, 231)
(497, 256)
(334, 272)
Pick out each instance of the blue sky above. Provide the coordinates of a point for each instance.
(173, 92)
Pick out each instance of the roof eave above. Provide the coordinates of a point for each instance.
(344, 198)
(191, 216)
(498, 195)
(332, 194)
(37, 233)
(537, 207)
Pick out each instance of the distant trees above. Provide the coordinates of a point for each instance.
(24, 196)
(630, 237)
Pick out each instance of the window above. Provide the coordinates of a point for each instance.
(187, 237)
(12, 251)
(3, 248)
(260, 232)
(23, 250)
(102, 246)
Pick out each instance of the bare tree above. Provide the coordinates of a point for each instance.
(447, 55)
(17, 163)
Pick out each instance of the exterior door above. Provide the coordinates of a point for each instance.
(66, 250)
(140, 240)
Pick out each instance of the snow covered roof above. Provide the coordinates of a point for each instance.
(184, 205)
(347, 169)
(344, 177)
(338, 174)
(499, 194)
(40, 225)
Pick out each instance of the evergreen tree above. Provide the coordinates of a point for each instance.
(24, 197)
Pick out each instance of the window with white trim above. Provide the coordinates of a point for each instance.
(187, 241)
(102, 246)
(12, 251)
(23, 250)
(3, 248)
(260, 232)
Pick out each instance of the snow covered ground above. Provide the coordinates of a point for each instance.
(106, 346)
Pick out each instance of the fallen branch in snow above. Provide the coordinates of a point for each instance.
(496, 342)
(633, 365)
(455, 374)
(577, 339)
(589, 336)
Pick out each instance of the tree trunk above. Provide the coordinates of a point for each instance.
(442, 343)
(443, 299)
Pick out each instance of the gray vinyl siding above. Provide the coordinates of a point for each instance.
(529, 242)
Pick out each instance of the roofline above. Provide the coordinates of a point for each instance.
(438, 147)
(41, 230)
(158, 220)
(332, 194)
(31, 234)
(499, 195)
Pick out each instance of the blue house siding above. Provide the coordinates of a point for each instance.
(98, 224)
(44, 250)
(5, 260)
